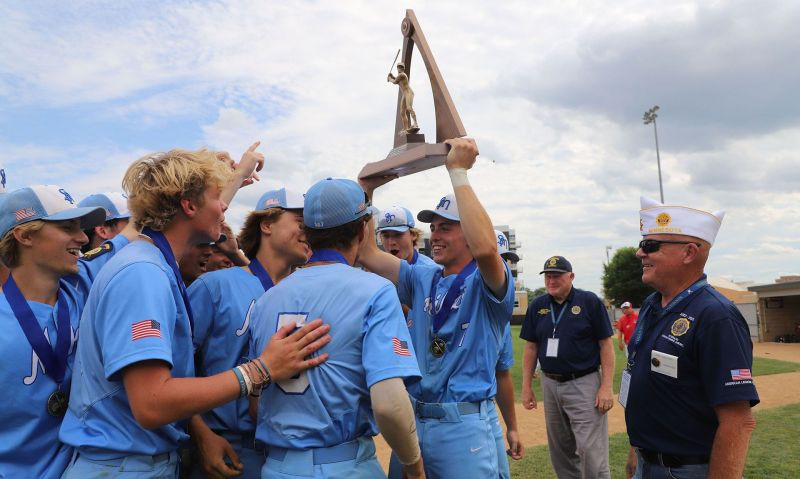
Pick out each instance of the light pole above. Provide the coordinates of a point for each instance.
(650, 117)
(608, 260)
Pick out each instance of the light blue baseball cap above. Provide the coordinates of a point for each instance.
(395, 218)
(447, 208)
(44, 202)
(502, 247)
(333, 202)
(282, 198)
(114, 203)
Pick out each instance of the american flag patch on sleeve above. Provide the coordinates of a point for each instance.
(400, 347)
(740, 374)
(149, 328)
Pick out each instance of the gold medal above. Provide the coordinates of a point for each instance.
(57, 404)
(438, 347)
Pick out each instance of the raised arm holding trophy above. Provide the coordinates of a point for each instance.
(461, 305)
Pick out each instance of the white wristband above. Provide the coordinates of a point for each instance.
(458, 176)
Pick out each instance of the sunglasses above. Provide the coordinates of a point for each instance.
(651, 246)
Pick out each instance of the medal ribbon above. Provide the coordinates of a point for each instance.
(415, 257)
(261, 274)
(328, 255)
(440, 315)
(553, 316)
(166, 250)
(638, 333)
(54, 362)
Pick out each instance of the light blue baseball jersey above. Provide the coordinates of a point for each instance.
(330, 404)
(473, 332)
(505, 358)
(422, 259)
(134, 313)
(90, 265)
(29, 445)
(220, 302)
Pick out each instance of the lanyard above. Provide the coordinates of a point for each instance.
(415, 257)
(553, 316)
(638, 333)
(54, 362)
(328, 255)
(261, 274)
(166, 250)
(440, 315)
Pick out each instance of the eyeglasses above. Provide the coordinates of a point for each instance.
(651, 245)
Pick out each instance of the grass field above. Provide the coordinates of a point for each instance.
(774, 450)
(761, 366)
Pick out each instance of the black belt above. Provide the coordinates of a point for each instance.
(562, 378)
(246, 440)
(672, 460)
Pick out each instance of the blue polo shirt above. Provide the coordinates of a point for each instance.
(711, 340)
(581, 327)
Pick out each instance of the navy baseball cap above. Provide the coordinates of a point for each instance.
(115, 204)
(44, 202)
(333, 202)
(557, 264)
(282, 198)
(395, 218)
(447, 208)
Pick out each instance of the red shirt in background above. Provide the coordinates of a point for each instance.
(627, 323)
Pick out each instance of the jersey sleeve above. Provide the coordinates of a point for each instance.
(500, 309)
(528, 331)
(506, 357)
(387, 351)
(405, 282)
(203, 309)
(601, 326)
(135, 317)
(725, 358)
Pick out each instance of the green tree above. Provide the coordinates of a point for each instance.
(622, 279)
(533, 293)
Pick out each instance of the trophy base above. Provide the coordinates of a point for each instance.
(407, 159)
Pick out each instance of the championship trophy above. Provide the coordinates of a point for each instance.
(410, 153)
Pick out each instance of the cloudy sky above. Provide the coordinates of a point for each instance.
(553, 92)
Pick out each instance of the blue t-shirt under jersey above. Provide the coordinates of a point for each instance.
(220, 301)
(134, 313)
(330, 404)
(29, 445)
(473, 332)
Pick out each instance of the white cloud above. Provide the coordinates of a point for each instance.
(553, 94)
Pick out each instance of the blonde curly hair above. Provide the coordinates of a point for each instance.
(155, 184)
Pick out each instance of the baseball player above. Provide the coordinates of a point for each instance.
(133, 387)
(320, 424)
(42, 233)
(399, 236)
(105, 240)
(459, 312)
(274, 240)
(505, 387)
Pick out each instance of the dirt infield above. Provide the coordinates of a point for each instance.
(774, 390)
